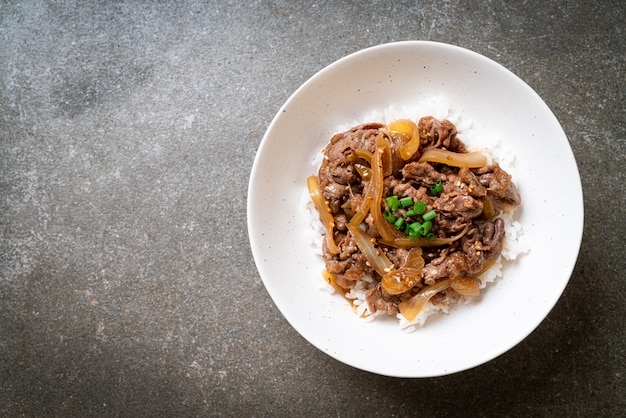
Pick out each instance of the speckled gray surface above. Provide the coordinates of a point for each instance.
(127, 135)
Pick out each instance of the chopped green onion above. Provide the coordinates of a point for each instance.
(419, 208)
(437, 188)
(413, 229)
(389, 216)
(406, 202)
(393, 202)
(429, 216)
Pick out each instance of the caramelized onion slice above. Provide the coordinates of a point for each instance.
(407, 242)
(386, 157)
(410, 308)
(454, 159)
(488, 208)
(364, 171)
(408, 128)
(361, 213)
(414, 259)
(363, 154)
(406, 277)
(368, 192)
(325, 214)
(330, 279)
(375, 256)
(467, 286)
(384, 228)
(400, 280)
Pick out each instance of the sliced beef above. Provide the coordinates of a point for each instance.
(459, 204)
(349, 270)
(470, 183)
(379, 300)
(449, 224)
(480, 244)
(499, 186)
(492, 237)
(398, 256)
(438, 134)
(359, 137)
(452, 265)
(422, 173)
(347, 247)
(405, 189)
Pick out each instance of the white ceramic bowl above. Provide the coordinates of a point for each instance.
(497, 101)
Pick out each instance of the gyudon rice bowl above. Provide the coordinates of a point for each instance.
(410, 218)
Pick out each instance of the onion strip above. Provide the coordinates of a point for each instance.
(488, 208)
(454, 159)
(362, 154)
(386, 158)
(366, 174)
(325, 213)
(410, 308)
(401, 280)
(363, 210)
(364, 171)
(406, 277)
(384, 228)
(375, 256)
(407, 242)
(466, 286)
(408, 128)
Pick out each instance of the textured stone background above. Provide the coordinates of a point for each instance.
(127, 135)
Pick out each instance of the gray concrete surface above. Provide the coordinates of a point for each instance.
(127, 135)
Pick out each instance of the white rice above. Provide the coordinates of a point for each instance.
(514, 245)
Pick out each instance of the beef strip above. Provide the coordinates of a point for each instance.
(438, 134)
(479, 245)
(502, 191)
(423, 173)
(459, 204)
(377, 299)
